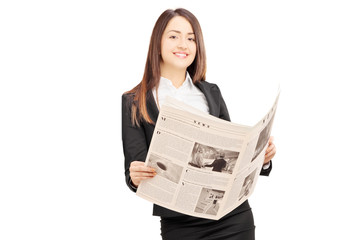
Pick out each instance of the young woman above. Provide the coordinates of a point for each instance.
(176, 66)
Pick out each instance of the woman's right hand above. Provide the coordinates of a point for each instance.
(139, 172)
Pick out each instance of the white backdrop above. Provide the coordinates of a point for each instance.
(65, 64)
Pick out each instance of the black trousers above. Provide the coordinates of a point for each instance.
(238, 226)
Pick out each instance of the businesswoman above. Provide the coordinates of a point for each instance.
(176, 66)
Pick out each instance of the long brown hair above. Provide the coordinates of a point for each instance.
(151, 77)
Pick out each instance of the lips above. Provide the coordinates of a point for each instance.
(181, 54)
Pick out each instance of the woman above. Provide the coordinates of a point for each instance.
(176, 66)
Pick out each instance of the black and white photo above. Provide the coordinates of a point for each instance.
(165, 168)
(247, 185)
(213, 159)
(209, 201)
(263, 138)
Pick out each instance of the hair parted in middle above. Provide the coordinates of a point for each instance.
(151, 77)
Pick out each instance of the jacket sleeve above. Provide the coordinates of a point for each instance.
(224, 114)
(266, 172)
(133, 138)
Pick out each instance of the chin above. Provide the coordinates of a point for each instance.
(183, 65)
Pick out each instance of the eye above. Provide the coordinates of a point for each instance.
(172, 37)
(191, 39)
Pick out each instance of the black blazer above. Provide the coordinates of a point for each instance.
(136, 140)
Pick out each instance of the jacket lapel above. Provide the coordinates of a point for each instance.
(211, 95)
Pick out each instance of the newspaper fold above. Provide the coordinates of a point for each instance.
(206, 166)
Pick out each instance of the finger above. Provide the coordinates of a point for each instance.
(136, 181)
(139, 179)
(142, 169)
(271, 139)
(266, 160)
(137, 166)
(270, 148)
(142, 174)
(137, 163)
(271, 154)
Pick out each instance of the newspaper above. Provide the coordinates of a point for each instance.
(206, 166)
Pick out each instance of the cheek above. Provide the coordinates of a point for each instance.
(192, 46)
(192, 58)
(163, 46)
(167, 45)
(193, 50)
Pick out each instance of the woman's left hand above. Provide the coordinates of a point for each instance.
(270, 151)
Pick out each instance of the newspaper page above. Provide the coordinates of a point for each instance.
(206, 166)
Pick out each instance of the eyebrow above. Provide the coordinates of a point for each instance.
(190, 33)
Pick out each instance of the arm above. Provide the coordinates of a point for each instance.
(210, 165)
(134, 146)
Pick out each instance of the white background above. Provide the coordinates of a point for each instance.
(65, 64)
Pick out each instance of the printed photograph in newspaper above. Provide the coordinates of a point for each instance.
(165, 168)
(246, 187)
(263, 138)
(213, 159)
(209, 201)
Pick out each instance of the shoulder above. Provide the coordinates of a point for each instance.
(128, 96)
(208, 88)
(209, 85)
(128, 99)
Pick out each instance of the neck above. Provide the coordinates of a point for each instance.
(176, 76)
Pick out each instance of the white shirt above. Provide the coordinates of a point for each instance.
(187, 93)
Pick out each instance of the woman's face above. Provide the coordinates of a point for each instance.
(178, 46)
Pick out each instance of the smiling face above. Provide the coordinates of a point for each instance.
(178, 46)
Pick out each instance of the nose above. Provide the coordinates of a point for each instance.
(182, 43)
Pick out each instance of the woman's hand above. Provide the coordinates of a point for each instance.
(139, 172)
(270, 151)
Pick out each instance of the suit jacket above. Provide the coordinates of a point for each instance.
(136, 140)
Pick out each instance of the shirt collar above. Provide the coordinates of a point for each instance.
(164, 82)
